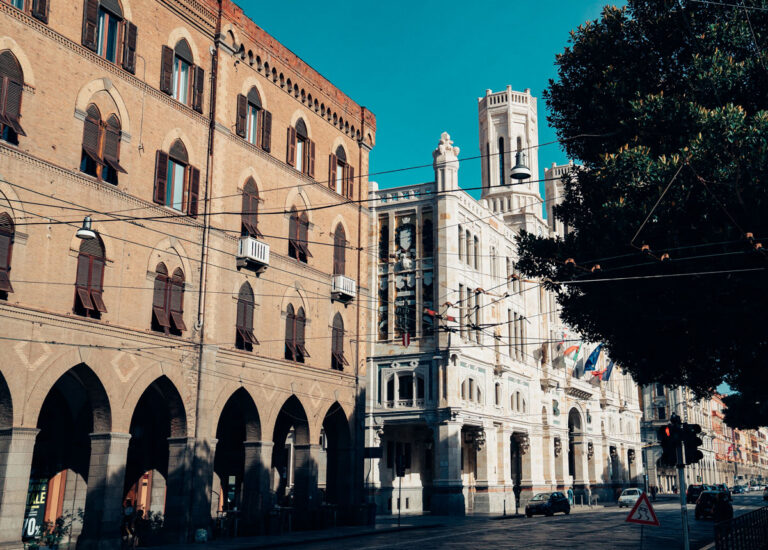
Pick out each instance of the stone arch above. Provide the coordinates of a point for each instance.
(9, 198)
(298, 197)
(171, 252)
(105, 85)
(338, 456)
(253, 82)
(230, 31)
(8, 43)
(304, 116)
(182, 33)
(178, 133)
(295, 296)
(339, 219)
(292, 454)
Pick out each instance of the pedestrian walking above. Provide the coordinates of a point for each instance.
(128, 526)
(654, 490)
(570, 496)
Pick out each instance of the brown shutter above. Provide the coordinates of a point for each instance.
(159, 305)
(266, 132)
(166, 71)
(197, 90)
(311, 162)
(82, 280)
(91, 138)
(12, 107)
(40, 10)
(290, 322)
(242, 113)
(96, 284)
(351, 182)
(332, 171)
(194, 191)
(177, 304)
(301, 326)
(291, 146)
(130, 34)
(90, 24)
(5, 261)
(161, 176)
(112, 148)
(303, 234)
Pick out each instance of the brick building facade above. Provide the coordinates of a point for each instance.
(201, 353)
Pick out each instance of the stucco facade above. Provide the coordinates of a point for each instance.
(186, 408)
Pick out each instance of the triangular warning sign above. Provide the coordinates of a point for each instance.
(642, 512)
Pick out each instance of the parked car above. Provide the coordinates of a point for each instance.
(739, 490)
(628, 497)
(692, 495)
(724, 488)
(548, 504)
(713, 504)
(765, 494)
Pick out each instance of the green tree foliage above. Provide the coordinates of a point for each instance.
(676, 94)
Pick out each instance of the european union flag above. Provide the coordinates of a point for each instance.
(592, 360)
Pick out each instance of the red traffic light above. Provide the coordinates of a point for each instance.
(667, 431)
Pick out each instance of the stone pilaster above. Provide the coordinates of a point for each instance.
(448, 498)
(257, 497)
(16, 448)
(179, 486)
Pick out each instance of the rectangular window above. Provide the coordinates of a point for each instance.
(252, 124)
(662, 413)
(181, 73)
(17, 4)
(174, 193)
(340, 178)
(300, 155)
(107, 39)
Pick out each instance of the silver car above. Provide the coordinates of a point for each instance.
(628, 497)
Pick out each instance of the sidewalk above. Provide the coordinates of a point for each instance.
(384, 524)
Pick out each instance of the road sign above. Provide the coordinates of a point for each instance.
(642, 512)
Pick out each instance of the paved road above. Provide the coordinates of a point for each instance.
(601, 528)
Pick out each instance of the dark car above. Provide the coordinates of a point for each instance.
(548, 504)
(738, 490)
(692, 495)
(724, 488)
(713, 504)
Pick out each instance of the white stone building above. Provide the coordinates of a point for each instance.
(482, 399)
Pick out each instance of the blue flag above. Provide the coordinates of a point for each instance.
(592, 360)
(607, 373)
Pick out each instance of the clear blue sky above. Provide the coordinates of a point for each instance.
(421, 65)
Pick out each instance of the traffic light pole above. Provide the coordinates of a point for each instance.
(683, 502)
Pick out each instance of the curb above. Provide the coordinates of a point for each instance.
(299, 542)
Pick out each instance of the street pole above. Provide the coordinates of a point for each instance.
(400, 503)
(683, 505)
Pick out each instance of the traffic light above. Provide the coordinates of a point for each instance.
(692, 441)
(669, 437)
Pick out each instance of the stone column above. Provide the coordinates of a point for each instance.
(178, 488)
(202, 478)
(306, 461)
(448, 498)
(104, 499)
(486, 473)
(257, 497)
(16, 448)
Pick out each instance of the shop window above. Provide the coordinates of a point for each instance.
(89, 280)
(177, 183)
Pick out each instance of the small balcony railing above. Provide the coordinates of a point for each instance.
(343, 288)
(252, 252)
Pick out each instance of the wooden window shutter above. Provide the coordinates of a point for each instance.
(350, 182)
(266, 131)
(242, 113)
(82, 280)
(311, 163)
(166, 70)
(303, 234)
(291, 146)
(332, 161)
(92, 132)
(112, 148)
(194, 191)
(40, 10)
(90, 24)
(12, 105)
(161, 176)
(96, 284)
(301, 327)
(177, 303)
(197, 90)
(290, 342)
(6, 247)
(130, 34)
(339, 249)
(160, 301)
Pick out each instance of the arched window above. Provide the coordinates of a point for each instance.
(476, 251)
(106, 32)
(390, 389)
(254, 123)
(419, 387)
(298, 228)
(338, 361)
(177, 183)
(405, 388)
(245, 339)
(497, 401)
(502, 171)
(7, 233)
(464, 389)
(471, 394)
(339, 250)
(101, 146)
(90, 279)
(468, 248)
(36, 8)
(341, 176)
(301, 150)
(295, 325)
(250, 216)
(168, 301)
(461, 243)
(180, 78)
(10, 98)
